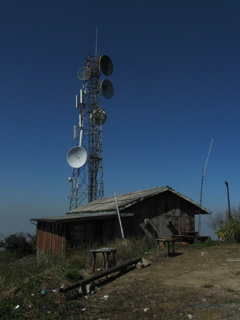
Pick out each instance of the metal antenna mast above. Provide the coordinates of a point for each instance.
(203, 174)
(87, 178)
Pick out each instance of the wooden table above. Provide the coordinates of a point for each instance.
(190, 233)
(164, 241)
(106, 253)
(187, 237)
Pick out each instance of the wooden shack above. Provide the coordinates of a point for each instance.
(158, 212)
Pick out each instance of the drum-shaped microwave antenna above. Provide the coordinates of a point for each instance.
(84, 73)
(77, 157)
(98, 116)
(106, 65)
(107, 88)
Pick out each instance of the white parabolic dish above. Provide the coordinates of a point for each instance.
(77, 157)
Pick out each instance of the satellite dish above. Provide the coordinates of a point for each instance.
(84, 73)
(106, 65)
(77, 157)
(107, 89)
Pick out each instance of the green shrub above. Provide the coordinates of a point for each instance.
(20, 244)
(229, 230)
(227, 227)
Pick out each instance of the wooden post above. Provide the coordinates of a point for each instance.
(229, 208)
(119, 218)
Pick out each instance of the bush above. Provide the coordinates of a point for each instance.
(20, 244)
(226, 228)
(229, 230)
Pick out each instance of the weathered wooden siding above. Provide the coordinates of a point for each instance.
(94, 231)
(161, 210)
(50, 242)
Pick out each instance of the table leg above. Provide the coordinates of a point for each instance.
(104, 261)
(173, 249)
(114, 258)
(93, 262)
(107, 264)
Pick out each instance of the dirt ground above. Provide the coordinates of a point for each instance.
(194, 284)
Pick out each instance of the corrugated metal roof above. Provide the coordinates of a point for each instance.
(126, 200)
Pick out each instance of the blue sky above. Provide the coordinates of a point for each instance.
(177, 85)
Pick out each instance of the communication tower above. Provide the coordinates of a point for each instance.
(86, 157)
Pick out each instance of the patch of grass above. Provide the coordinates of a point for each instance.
(33, 284)
(204, 244)
(208, 286)
(73, 274)
(78, 262)
(131, 248)
(229, 301)
(7, 308)
(72, 304)
(15, 272)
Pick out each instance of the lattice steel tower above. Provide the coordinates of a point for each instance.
(87, 177)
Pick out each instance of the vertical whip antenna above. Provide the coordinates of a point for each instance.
(96, 42)
(90, 40)
(203, 174)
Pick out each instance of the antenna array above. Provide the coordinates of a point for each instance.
(87, 177)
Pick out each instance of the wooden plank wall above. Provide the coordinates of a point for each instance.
(50, 243)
